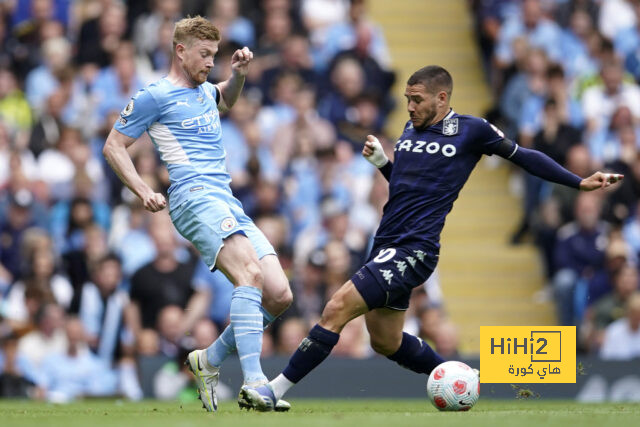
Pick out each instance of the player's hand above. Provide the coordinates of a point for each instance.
(154, 202)
(240, 60)
(373, 152)
(600, 180)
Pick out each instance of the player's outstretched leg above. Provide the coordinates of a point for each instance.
(346, 304)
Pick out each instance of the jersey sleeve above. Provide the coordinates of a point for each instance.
(141, 111)
(488, 137)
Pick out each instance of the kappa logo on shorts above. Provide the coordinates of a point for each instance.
(402, 266)
(387, 275)
(228, 224)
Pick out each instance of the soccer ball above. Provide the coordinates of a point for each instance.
(453, 386)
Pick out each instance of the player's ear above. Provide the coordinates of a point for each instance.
(180, 48)
(443, 97)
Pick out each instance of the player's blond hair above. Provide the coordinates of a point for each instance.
(194, 28)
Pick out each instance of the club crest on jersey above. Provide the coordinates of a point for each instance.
(128, 109)
(450, 126)
(227, 224)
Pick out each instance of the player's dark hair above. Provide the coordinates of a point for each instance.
(434, 78)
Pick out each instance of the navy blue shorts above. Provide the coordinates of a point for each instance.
(388, 278)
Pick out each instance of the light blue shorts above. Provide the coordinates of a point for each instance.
(209, 219)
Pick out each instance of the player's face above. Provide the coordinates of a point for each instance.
(421, 105)
(197, 60)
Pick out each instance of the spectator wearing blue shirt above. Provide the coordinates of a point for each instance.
(538, 30)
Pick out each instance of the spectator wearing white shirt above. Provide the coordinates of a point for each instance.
(600, 102)
(622, 337)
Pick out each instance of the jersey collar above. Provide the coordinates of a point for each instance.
(439, 124)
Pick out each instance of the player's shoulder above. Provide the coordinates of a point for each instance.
(478, 126)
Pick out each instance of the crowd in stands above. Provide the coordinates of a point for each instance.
(565, 75)
(90, 281)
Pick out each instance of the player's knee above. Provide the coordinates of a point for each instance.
(334, 312)
(383, 346)
(283, 298)
(251, 275)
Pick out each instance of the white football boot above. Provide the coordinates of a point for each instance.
(206, 378)
(280, 406)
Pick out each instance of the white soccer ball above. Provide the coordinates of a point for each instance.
(453, 386)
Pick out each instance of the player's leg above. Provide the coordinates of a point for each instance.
(346, 304)
(239, 262)
(387, 338)
(211, 226)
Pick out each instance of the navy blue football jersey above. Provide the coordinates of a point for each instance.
(430, 168)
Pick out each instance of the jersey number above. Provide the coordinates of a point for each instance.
(385, 255)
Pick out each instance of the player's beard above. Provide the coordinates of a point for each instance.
(199, 75)
(429, 115)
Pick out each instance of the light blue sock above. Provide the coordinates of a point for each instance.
(246, 321)
(222, 347)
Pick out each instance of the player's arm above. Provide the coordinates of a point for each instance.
(374, 153)
(542, 166)
(230, 89)
(115, 151)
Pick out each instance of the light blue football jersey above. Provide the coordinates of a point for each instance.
(184, 125)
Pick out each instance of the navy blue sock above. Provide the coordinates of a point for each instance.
(416, 355)
(311, 352)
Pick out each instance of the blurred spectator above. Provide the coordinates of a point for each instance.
(539, 31)
(59, 165)
(117, 83)
(579, 253)
(622, 337)
(15, 111)
(576, 57)
(609, 144)
(527, 80)
(356, 33)
(291, 333)
(41, 82)
(554, 139)
(305, 135)
(600, 102)
(615, 17)
(354, 340)
(49, 337)
(309, 289)
(38, 286)
(447, 341)
(101, 306)
(225, 15)
(71, 373)
(148, 26)
(100, 37)
(80, 262)
(294, 58)
(347, 83)
(17, 218)
(15, 370)
(164, 281)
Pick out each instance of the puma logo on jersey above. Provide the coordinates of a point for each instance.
(448, 150)
(184, 103)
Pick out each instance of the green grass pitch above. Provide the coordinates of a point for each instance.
(320, 413)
